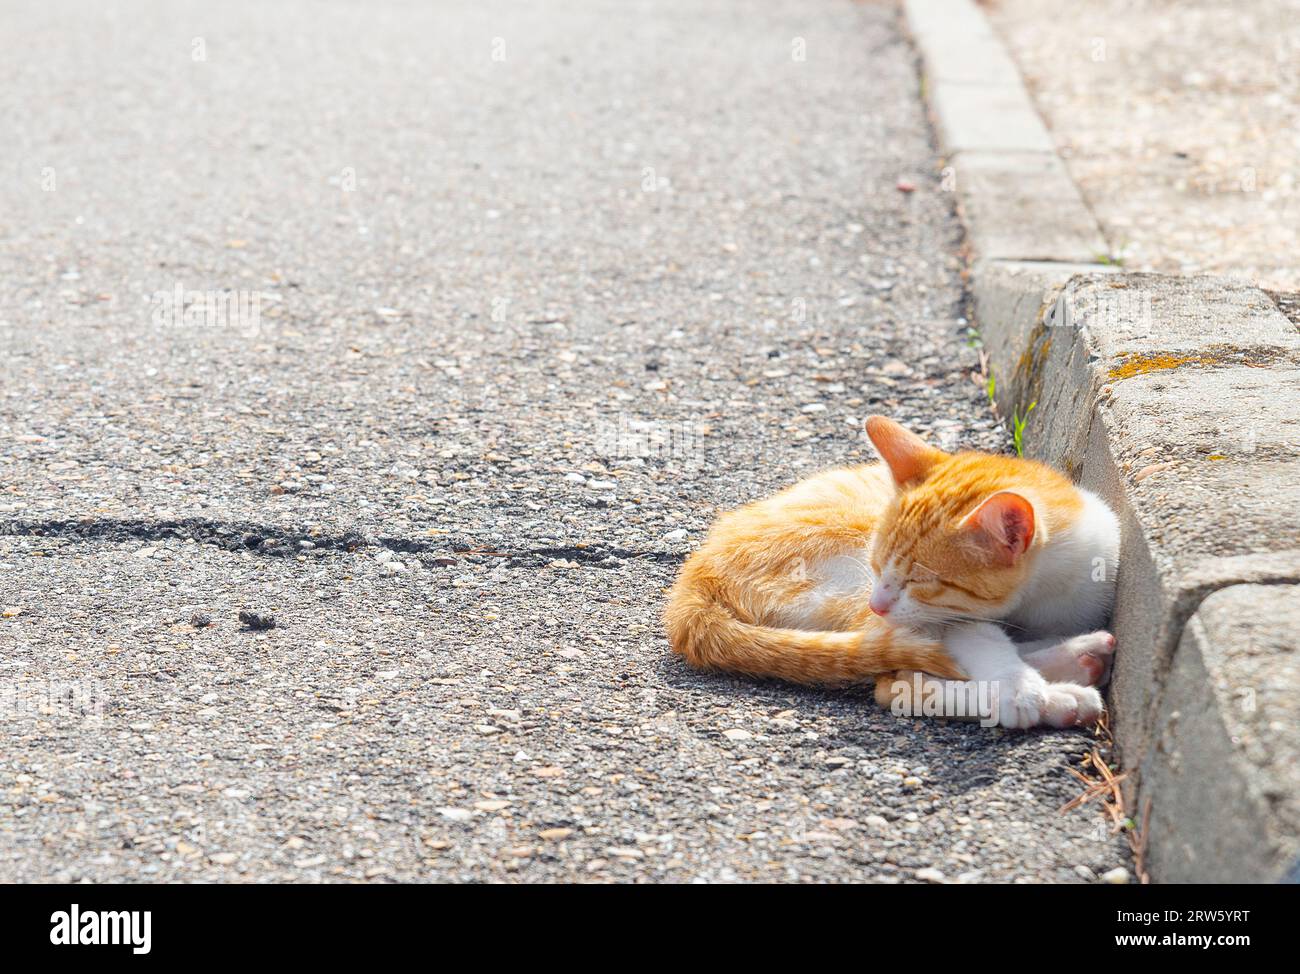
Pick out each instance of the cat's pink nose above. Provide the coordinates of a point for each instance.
(881, 601)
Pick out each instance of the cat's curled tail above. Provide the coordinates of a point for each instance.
(709, 636)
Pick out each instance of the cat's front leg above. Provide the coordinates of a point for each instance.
(1024, 697)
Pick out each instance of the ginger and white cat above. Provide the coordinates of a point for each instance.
(921, 563)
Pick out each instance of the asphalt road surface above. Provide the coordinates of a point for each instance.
(523, 294)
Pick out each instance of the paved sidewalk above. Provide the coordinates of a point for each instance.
(524, 326)
(1180, 122)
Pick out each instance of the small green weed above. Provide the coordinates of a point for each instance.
(1018, 427)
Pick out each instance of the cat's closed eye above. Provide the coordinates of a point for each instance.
(923, 576)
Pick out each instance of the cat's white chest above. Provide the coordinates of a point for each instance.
(1073, 584)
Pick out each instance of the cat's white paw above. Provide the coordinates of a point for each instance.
(1022, 701)
(1084, 660)
(1030, 701)
(1070, 705)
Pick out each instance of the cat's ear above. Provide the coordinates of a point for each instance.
(909, 457)
(1003, 525)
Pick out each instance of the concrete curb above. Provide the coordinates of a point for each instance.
(1165, 396)
(1016, 198)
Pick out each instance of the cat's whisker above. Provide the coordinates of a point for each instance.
(863, 564)
(950, 618)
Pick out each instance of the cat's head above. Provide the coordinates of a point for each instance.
(958, 539)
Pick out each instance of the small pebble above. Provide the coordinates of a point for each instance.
(256, 620)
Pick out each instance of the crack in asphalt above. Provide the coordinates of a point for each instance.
(285, 543)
